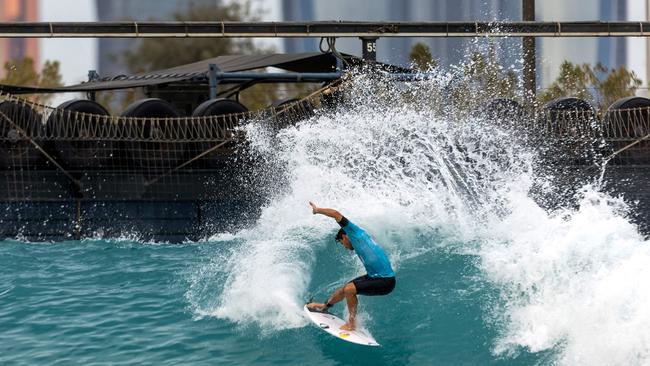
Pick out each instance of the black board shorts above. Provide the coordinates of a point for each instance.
(369, 286)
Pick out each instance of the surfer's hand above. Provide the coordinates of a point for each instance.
(314, 208)
(316, 306)
(330, 212)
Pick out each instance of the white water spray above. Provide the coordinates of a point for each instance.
(399, 162)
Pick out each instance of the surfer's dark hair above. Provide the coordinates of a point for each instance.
(339, 234)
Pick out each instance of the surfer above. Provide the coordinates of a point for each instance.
(379, 279)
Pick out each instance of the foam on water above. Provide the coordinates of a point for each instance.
(573, 280)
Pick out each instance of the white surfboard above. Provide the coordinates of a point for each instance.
(332, 325)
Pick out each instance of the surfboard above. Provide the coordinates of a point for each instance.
(332, 325)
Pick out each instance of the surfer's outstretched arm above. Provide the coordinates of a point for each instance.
(330, 212)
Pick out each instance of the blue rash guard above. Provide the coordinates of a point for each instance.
(372, 256)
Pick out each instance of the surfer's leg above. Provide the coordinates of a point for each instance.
(350, 292)
(337, 296)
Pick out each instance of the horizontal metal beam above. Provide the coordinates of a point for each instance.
(298, 76)
(321, 29)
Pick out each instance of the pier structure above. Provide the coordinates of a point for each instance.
(167, 167)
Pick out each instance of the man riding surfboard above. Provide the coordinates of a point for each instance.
(379, 279)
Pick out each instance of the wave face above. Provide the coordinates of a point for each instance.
(484, 267)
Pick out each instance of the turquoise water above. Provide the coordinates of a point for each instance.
(485, 274)
(125, 302)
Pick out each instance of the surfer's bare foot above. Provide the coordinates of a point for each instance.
(347, 326)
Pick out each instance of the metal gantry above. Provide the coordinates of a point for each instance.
(353, 29)
(367, 32)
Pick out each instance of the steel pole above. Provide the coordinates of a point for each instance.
(530, 85)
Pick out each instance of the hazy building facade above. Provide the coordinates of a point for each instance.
(551, 52)
(17, 48)
(609, 51)
(447, 51)
(110, 49)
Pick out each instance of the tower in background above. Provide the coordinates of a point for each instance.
(17, 48)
